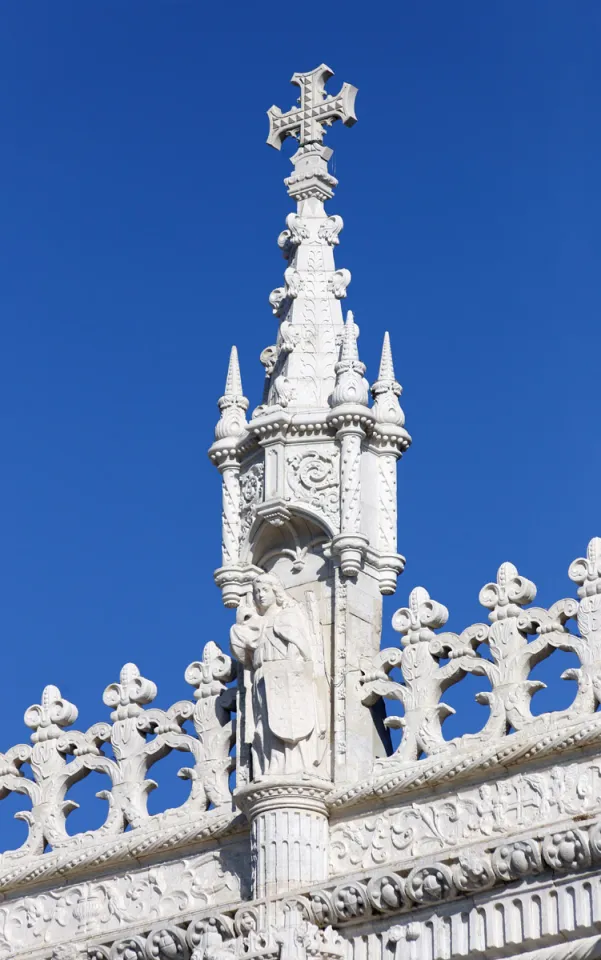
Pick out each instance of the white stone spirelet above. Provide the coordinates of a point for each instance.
(352, 418)
(389, 441)
(224, 452)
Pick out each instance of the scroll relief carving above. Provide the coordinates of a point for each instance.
(477, 814)
(251, 495)
(99, 908)
(305, 919)
(314, 478)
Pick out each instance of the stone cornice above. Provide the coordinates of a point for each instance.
(544, 740)
(162, 835)
(401, 893)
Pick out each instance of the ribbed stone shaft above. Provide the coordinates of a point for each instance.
(289, 835)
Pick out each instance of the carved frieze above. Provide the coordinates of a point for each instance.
(493, 809)
(102, 907)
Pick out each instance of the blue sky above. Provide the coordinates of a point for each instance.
(138, 231)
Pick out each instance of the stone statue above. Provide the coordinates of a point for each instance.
(272, 639)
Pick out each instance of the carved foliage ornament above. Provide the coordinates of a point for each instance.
(313, 478)
(431, 662)
(138, 737)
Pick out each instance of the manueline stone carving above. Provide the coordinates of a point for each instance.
(512, 657)
(304, 835)
(475, 814)
(251, 494)
(272, 640)
(314, 478)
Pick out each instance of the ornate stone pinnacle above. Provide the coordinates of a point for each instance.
(233, 404)
(349, 352)
(386, 390)
(48, 718)
(351, 386)
(386, 371)
(311, 179)
(129, 693)
(510, 592)
(316, 110)
(233, 383)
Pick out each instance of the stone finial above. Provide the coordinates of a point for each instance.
(129, 694)
(233, 404)
(233, 382)
(315, 110)
(351, 385)
(418, 621)
(209, 675)
(586, 571)
(386, 390)
(47, 718)
(510, 592)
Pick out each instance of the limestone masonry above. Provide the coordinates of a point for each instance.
(305, 835)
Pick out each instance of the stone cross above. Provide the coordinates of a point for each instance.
(316, 110)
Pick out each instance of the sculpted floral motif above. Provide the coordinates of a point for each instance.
(167, 943)
(386, 892)
(314, 478)
(330, 229)
(251, 494)
(289, 239)
(110, 903)
(339, 282)
(567, 850)
(278, 301)
(350, 900)
(132, 948)
(473, 873)
(476, 813)
(429, 884)
(514, 860)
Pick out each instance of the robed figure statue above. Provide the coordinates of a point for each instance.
(284, 719)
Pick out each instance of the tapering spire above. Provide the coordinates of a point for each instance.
(386, 371)
(233, 383)
(386, 390)
(349, 352)
(233, 404)
(351, 385)
(302, 358)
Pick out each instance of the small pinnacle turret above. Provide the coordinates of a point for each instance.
(233, 404)
(386, 371)
(386, 391)
(351, 386)
(233, 383)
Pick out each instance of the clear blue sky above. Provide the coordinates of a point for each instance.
(138, 224)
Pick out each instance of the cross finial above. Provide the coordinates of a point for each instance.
(316, 110)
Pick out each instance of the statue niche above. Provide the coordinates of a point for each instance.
(284, 716)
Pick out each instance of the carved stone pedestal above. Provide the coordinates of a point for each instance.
(289, 833)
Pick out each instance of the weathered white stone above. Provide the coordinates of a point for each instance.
(304, 834)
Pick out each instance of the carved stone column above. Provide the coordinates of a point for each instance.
(388, 441)
(289, 834)
(351, 415)
(225, 455)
